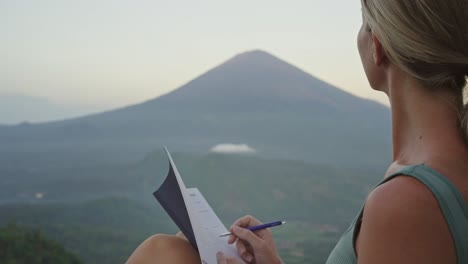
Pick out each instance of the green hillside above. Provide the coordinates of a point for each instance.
(19, 245)
(96, 239)
(102, 212)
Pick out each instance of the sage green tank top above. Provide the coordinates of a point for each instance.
(450, 201)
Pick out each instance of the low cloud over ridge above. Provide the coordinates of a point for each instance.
(233, 149)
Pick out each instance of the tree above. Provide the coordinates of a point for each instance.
(20, 245)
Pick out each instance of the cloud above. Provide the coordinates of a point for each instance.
(233, 149)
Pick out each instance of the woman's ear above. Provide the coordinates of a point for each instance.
(378, 52)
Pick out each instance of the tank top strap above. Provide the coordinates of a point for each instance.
(450, 201)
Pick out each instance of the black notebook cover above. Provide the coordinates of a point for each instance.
(170, 197)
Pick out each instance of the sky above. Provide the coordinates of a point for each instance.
(111, 53)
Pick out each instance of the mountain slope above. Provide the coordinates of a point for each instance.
(253, 98)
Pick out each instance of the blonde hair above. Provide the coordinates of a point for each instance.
(426, 38)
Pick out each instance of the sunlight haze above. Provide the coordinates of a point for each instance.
(113, 53)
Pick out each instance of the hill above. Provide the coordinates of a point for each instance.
(314, 186)
(20, 245)
(103, 212)
(254, 98)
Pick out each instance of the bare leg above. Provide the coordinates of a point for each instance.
(165, 249)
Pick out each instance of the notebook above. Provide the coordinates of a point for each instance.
(194, 216)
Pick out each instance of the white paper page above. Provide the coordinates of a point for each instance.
(207, 227)
(205, 223)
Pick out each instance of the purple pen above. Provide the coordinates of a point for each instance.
(258, 227)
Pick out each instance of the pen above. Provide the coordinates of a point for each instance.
(258, 227)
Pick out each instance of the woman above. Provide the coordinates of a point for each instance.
(415, 51)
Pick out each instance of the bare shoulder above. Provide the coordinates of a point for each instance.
(402, 223)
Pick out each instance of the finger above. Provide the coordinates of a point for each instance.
(221, 258)
(264, 234)
(248, 257)
(248, 236)
(249, 251)
(247, 221)
(243, 252)
(241, 248)
(232, 239)
(231, 260)
(249, 248)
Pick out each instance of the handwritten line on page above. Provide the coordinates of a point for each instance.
(194, 216)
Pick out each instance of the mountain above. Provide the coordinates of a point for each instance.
(18, 108)
(254, 98)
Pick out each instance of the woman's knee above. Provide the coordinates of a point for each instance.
(162, 242)
(163, 248)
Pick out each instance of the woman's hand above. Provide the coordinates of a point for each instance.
(254, 247)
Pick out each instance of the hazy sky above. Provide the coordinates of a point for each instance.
(113, 52)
